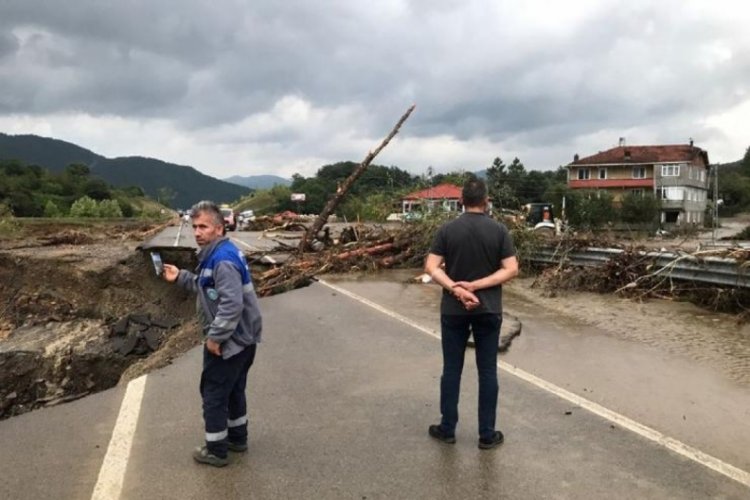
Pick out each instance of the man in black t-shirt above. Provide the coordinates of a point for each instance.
(479, 257)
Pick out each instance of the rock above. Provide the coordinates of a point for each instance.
(12, 395)
(121, 327)
(128, 344)
(142, 319)
(164, 323)
(152, 337)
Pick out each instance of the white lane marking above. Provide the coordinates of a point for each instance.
(179, 233)
(112, 474)
(670, 443)
(246, 244)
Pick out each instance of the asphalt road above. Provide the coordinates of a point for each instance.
(340, 399)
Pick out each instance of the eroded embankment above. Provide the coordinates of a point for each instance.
(59, 319)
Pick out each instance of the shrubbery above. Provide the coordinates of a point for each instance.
(87, 207)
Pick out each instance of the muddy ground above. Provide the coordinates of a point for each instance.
(65, 288)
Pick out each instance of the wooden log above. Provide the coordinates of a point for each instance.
(341, 192)
(373, 250)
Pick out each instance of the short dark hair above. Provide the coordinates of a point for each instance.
(474, 193)
(210, 208)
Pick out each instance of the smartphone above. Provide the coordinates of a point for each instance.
(158, 265)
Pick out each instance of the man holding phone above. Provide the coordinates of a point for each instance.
(229, 315)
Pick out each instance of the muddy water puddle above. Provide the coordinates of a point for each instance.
(716, 341)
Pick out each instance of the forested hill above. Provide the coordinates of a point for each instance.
(52, 154)
(180, 185)
(189, 185)
(259, 181)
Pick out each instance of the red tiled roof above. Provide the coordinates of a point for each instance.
(610, 183)
(440, 192)
(644, 154)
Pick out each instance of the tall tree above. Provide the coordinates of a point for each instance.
(745, 162)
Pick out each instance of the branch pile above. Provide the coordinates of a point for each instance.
(374, 248)
(634, 274)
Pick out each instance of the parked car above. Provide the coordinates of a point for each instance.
(230, 219)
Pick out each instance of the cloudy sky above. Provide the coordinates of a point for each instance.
(266, 86)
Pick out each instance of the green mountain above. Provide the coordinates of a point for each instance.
(259, 181)
(53, 154)
(183, 185)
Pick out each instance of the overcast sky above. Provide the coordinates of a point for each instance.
(278, 87)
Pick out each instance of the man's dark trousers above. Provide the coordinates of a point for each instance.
(223, 383)
(456, 330)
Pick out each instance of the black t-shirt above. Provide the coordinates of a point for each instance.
(473, 246)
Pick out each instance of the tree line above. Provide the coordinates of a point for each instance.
(33, 191)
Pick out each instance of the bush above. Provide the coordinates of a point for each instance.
(640, 209)
(126, 208)
(590, 209)
(51, 209)
(7, 223)
(84, 207)
(109, 208)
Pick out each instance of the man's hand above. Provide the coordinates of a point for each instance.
(213, 347)
(468, 285)
(466, 297)
(170, 273)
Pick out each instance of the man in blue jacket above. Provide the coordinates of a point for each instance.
(228, 312)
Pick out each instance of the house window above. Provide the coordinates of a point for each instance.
(583, 174)
(602, 173)
(703, 176)
(670, 170)
(672, 194)
(639, 172)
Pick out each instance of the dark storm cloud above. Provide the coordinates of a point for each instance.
(475, 69)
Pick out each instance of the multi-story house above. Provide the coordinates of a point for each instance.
(676, 174)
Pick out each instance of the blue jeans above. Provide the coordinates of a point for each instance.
(455, 334)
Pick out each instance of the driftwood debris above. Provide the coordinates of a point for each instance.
(341, 192)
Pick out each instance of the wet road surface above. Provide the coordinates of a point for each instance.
(340, 399)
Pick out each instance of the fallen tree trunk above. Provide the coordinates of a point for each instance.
(373, 250)
(341, 192)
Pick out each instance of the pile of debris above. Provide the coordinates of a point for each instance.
(633, 273)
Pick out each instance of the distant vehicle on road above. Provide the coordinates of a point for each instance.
(539, 216)
(230, 219)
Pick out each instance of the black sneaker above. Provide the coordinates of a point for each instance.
(488, 443)
(438, 433)
(203, 456)
(237, 447)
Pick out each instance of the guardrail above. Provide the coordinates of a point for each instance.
(715, 270)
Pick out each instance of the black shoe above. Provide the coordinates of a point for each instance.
(488, 443)
(203, 456)
(237, 447)
(438, 433)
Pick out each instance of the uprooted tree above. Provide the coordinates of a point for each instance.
(341, 192)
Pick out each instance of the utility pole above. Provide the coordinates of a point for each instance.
(716, 202)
